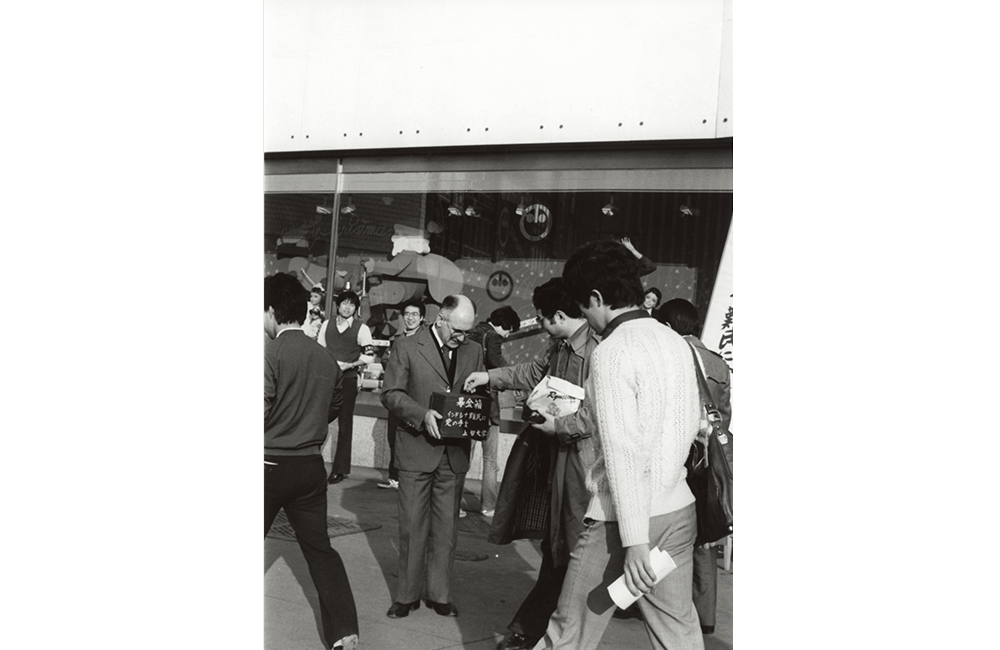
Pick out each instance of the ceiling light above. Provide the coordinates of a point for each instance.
(610, 209)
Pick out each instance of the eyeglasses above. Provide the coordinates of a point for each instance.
(455, 332)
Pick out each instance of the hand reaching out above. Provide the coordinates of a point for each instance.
(475, 380)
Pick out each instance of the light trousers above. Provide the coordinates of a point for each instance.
(490, 486)
(585, 607)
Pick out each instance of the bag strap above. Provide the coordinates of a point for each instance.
(706, 394)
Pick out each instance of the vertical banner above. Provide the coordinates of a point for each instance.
(717, 334)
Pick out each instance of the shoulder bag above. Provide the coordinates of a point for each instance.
(709, 474)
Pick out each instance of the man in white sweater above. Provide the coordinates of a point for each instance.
(644, 396)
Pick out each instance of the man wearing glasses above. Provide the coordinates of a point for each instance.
(413, 321)
(431, 468)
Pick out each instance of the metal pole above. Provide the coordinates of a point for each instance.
(331, 266)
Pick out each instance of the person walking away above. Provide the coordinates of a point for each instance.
(643, 395)
(302, 394)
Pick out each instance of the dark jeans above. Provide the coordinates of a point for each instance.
(345, 426)
(298, 484)
(533, 616)
(390, 434)
(706, 578)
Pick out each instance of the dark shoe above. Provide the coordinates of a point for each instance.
(517, 642)
(442, 609)
(632, 611)
(336, 478)
(708, 629)
(402, 610)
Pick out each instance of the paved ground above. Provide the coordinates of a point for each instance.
(487, 592)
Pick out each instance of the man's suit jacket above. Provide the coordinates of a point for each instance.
(413, 372)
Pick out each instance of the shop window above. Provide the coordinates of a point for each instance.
(494, 247)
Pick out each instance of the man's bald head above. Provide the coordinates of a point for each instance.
(456, 317)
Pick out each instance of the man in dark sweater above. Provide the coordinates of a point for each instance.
(302, 395)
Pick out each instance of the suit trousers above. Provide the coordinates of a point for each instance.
(533, 615)
(428, 532)
(345, 426)
(298, 484)
(585, 607)
(390, 434)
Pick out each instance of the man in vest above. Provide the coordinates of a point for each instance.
(349, 342)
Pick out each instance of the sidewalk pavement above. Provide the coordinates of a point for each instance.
(487, 590)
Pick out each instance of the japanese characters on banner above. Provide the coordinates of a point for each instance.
(717, 334)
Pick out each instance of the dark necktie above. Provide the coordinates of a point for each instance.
(449, 364)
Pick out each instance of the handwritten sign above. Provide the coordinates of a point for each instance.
(465, 416)
(717, 334)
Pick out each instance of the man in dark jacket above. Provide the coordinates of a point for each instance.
(302, 395)
(561, 491)
(682, 316)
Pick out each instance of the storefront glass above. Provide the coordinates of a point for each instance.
(495, 247)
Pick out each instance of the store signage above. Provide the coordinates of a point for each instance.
(536, 222)
(499, 286)
(357, 225)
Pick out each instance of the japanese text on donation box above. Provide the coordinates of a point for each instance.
(464, 416)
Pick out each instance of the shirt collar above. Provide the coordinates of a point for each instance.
(437, 337)
(624, 317)
(289, 329)
(578, 339)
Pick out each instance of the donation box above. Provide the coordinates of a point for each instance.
(465, 416)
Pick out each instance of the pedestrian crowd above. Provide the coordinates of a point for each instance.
(603, 486)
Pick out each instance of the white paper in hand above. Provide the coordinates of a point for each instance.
(662, 565)
(555, 396)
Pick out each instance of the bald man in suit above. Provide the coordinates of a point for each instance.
(431, 468)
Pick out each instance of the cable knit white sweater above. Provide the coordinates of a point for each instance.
(644, 393)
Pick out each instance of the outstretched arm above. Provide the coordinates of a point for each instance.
(646, 265)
